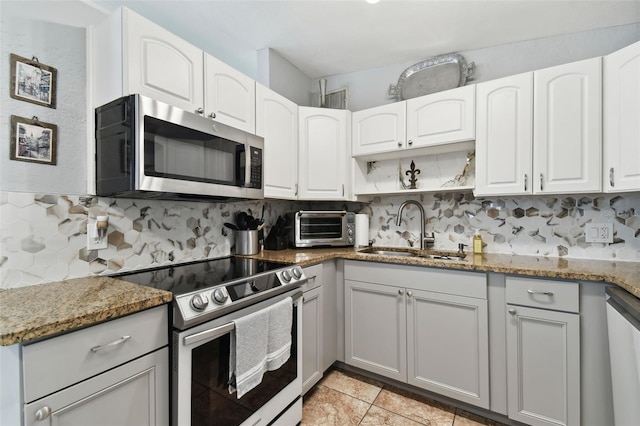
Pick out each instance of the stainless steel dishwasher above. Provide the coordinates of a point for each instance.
(623, 322)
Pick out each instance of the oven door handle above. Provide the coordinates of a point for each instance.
(216, 332)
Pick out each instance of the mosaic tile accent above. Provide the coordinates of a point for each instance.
(43, 236)
(549, 226)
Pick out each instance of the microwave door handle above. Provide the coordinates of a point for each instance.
(247, 166)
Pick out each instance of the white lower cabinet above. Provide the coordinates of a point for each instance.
(426, 327)
(136, 393)
(312, 330)
(375, 328)
(543, 351)
(114, 373)
(448, 346)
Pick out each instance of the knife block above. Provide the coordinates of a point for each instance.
(276, 242)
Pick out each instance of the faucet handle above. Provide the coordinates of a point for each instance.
(461, 247)
(429, 239)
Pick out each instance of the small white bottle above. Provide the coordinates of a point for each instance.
(477, 242)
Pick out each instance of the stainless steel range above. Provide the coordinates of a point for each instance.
(208, 297)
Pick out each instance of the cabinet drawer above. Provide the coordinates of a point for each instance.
(314, 276)
(545, 294)
(61, 361)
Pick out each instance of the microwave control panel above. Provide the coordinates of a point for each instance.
(256, 168)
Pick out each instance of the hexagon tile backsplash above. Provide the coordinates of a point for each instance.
(551, 226)
(43, 237)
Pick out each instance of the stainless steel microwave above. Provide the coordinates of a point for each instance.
(149, 149)
(313, 228)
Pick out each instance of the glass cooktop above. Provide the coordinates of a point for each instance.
(189, 277)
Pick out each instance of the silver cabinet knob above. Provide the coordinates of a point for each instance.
(200, 111)
(212, 115)
(400, 144)
(409, 293)
(43, 413)
(512, 311)
(401, 292)
(410, 142)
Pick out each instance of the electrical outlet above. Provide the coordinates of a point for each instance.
(94, 242)
(599, 233)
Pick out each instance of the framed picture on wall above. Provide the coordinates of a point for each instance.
(33, 140)
(32, 81)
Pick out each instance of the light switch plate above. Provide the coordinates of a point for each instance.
(599, 233)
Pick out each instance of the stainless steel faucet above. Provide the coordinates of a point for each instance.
(424, 240)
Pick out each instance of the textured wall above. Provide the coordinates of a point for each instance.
(61, 47)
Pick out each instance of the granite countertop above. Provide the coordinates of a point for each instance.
(34, 312)
(623, 274)
(44, 310)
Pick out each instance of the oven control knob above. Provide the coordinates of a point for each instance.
(297, 272)
(219, 295)
(199, 302)
(286, 276)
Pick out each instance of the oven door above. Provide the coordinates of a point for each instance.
(200, 392)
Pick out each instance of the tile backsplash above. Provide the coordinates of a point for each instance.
(43, 236)
(551, 226)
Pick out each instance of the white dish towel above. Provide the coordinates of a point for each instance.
(260, 342)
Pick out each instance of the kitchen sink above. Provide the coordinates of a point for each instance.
(415, 253)
(442, 256)
(390, 253)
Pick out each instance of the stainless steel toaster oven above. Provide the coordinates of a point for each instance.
(323, 228)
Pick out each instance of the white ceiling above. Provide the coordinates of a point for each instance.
(325, 38)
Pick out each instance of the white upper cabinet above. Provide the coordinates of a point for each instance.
(504, 135)
(277, 123)
(441, 118)
(230, 96)
(567, 129)
(323, 169)
(379, 129)
(133, 55)
(622, 120)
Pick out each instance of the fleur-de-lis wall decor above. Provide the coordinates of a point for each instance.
(412, 172)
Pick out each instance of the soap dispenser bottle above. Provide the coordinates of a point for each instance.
(477, 242)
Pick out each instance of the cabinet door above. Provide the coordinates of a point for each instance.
(504, 136)
(229, 95)
(567, 129)
(277, 123)
(324, 154)
(448, 345)
(380, 129)
(136, 393)
(441, 118)
(375, 329)
(161, 65)
(622, 120)
(311, 338)
(543, 366)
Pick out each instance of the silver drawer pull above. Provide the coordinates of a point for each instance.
(112, 344)
(43, 413)
(546, 293)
